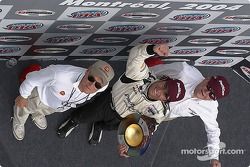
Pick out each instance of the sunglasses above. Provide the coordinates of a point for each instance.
(97, 84)
(211, 92)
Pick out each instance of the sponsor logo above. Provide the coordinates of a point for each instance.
(75, 27)
(126, 28)
(204, 41)
(6, 50)
(110, 39)
(88, 14)
(62, 39)
(50, 50)
(140, 15)
(35, 12)
(232, 51)
(245, 70)
(98, 50)
(14, 38)
(242, 42)
(237, 18)
(159, 40)
(221, 30)
(191, 17)
(189, 51)
(216, 61)
(174, 29)
(23, 26)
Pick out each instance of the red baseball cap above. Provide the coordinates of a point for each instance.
(176, 90)
(219, 87)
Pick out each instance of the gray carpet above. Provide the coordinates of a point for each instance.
(44, 149)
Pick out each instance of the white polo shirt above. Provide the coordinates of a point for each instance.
(57, 86)
(189, 106)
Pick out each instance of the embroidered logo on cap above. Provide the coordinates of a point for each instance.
(222, 88)
(179, 90)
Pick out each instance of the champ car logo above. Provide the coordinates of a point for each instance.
(98, 50)
(110, 39)
(216, 61)
(23, 26)
(221, 30)
(126, 28)
(6, 50)
(204, 41)
(159, 40)
(62, 39)
(174, 29)
(140, 15)
(14, 38)
(245, 70)
(34, 12)
(191, 17)
(75, 27)
(50, 50)
(189, 51)
(88, 14)
(242, 42)
(232, 51)
(237, 18)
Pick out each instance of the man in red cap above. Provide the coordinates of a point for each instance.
(136, 91)
(200, 99)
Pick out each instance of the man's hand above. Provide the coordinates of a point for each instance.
(21, 102)
(215, 163)
(123, 150)
(161, 49)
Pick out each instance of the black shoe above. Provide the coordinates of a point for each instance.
(95, 135)
(66, 128)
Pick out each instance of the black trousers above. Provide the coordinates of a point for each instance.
(98, 110)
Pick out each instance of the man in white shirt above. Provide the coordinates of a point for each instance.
(200, 99)
(57, 88)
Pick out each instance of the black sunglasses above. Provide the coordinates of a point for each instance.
(97, 84)
(211, 92)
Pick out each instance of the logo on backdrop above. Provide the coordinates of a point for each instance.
(62, 39)
(23, 26)
(245, 70)
(221, 30)
(232, 51)
(159, 40)
(174, 29)
(126, 28)
(189, 51)
(110, 40)
(140, 15)
(98, 50)
(191, 17)
(50, 50)
(204, 41)
(237, 18)
(14, 38)
(75, 27)
(34, 12)
(88, 14)
(242, 42)
(216, 61)
(6, 50)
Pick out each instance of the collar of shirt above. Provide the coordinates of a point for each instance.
(76, 84)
